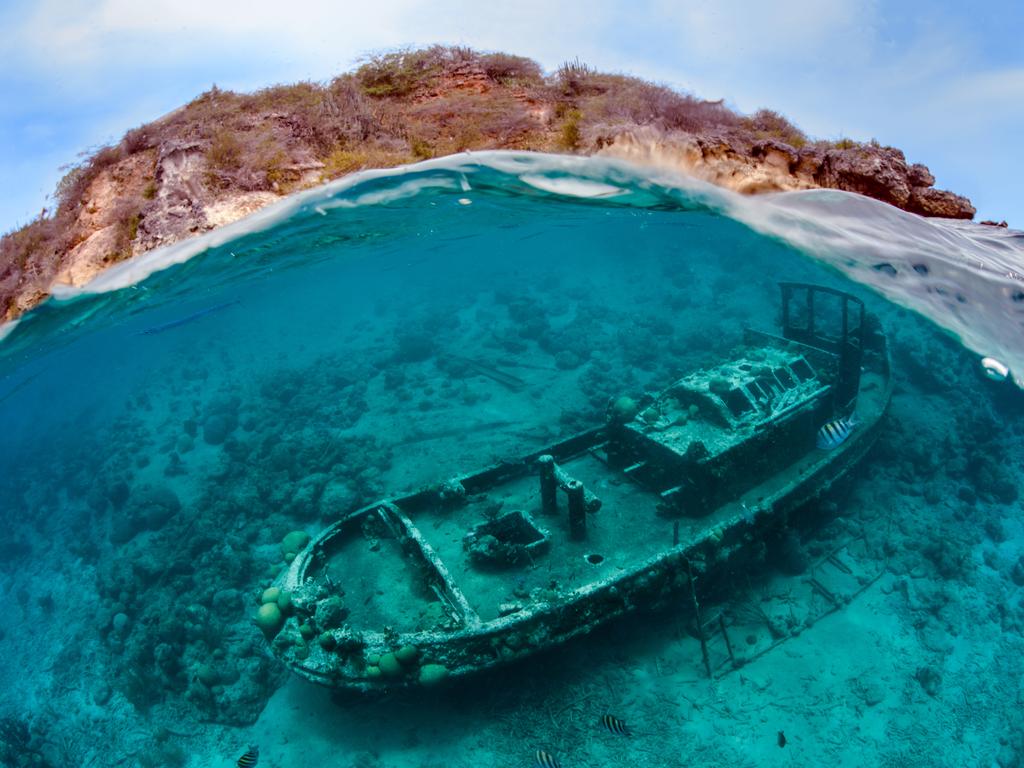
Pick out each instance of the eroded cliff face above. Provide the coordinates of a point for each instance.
(224, 155)
(184, 204)
(180, 204)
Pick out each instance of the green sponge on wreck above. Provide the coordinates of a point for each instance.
(433, 674)
(269, 619)
(390, 665)
(407, 654)
(293, 543)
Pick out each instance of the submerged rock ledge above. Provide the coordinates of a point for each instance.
(225, 155)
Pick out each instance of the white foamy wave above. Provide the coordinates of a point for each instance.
(384, 196)
(570, 187)
(7, 328)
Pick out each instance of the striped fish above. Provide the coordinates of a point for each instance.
(250, 758)
(614, 725)
(835, 432)
(542, 759)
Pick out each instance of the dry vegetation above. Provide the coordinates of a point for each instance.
(395, 108)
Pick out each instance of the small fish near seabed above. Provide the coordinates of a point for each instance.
(250, 758)
(616, 726)
(781, 739)
(835, 432)
(542, 759)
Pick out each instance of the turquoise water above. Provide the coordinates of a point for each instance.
(163, 430)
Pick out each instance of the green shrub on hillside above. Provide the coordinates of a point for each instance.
(420, 148)
(505, 69)
(33, 242)
(461, 121)
(399, 73)
(769, 124)
(248, 160)
(225, 152)
(619, 99)
(570, 135)
(344, 161)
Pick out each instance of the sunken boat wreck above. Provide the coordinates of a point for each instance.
(489, 567)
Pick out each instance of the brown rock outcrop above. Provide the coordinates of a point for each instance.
(177, 210)
(718, 158)
(770, 165)
(928, 201)
(880, 173)
(920, 176)
(90, 257)
(883, 173)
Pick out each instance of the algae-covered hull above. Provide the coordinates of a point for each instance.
(495, 565)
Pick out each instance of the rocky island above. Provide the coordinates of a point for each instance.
(224, 154)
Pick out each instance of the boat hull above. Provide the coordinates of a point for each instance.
(534, 578)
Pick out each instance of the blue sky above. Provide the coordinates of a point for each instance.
(941, 80)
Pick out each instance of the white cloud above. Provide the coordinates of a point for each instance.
(84, 40)
(985, 94)
(733, 32)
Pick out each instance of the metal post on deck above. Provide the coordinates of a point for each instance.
(577, 509)
(548, 485)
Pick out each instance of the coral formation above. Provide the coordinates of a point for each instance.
(432, 674)
(293, 543)
(390, 666)
(269, 619)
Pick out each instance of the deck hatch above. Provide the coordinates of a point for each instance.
(738, 402)
(512, 539)
(786, 379)
(802, 369)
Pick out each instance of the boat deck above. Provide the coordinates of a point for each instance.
(381, 585)
(389, 582)
(625, 530)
